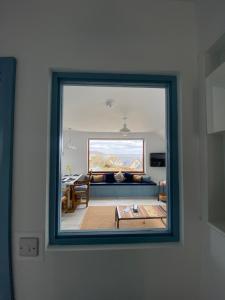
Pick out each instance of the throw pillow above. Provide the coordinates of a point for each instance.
(146, 178)
(119, 177)
(98, 178)
(137, 178)
(128, 177)
(109, 177)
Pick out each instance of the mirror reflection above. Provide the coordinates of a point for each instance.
(113, 158)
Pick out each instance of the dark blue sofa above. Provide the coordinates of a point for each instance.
(123, 189)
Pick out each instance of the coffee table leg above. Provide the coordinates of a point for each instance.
(163, 221)
(117, 218)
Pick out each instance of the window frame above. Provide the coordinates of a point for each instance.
(172, 233)
(116, 139)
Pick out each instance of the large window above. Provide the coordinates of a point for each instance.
(128, 120)
(113, 155)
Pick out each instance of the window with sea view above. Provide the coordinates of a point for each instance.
(111, 155)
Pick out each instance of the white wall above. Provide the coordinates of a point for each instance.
(211, 26)
(146, 36)
(78, 159)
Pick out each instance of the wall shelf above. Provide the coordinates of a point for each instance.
(219, 226)
(215, 105)
(215, 100)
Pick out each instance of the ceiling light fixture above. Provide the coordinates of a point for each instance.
(124, 130)
(69, 145)
(109, 103)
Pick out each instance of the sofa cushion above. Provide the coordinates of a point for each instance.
(119, 177)
(98, 178)
(128, 177)
(146, 178)
(137, 178)
(109, 177)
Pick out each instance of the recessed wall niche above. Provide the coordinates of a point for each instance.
(215, 104)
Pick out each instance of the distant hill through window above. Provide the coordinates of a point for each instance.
(113, 155)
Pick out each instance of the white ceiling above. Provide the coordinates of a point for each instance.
(85, 109)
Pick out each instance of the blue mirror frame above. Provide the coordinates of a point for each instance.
(7, 98)
(111, 237)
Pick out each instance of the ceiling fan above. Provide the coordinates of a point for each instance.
(124, 130)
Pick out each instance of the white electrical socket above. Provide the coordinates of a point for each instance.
(29, 246)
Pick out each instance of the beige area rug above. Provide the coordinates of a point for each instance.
(103, 217)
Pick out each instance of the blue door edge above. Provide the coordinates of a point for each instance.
(7, 100)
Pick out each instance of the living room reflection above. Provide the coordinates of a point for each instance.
(113, 158)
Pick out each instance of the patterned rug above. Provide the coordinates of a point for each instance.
(103, 217)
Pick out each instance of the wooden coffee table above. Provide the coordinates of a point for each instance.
(125, 212)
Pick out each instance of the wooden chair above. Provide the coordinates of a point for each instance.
(162, 196)
(64, 200)
(81, 189)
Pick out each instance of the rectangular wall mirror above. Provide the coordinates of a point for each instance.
(108, 134)
(114, 157)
